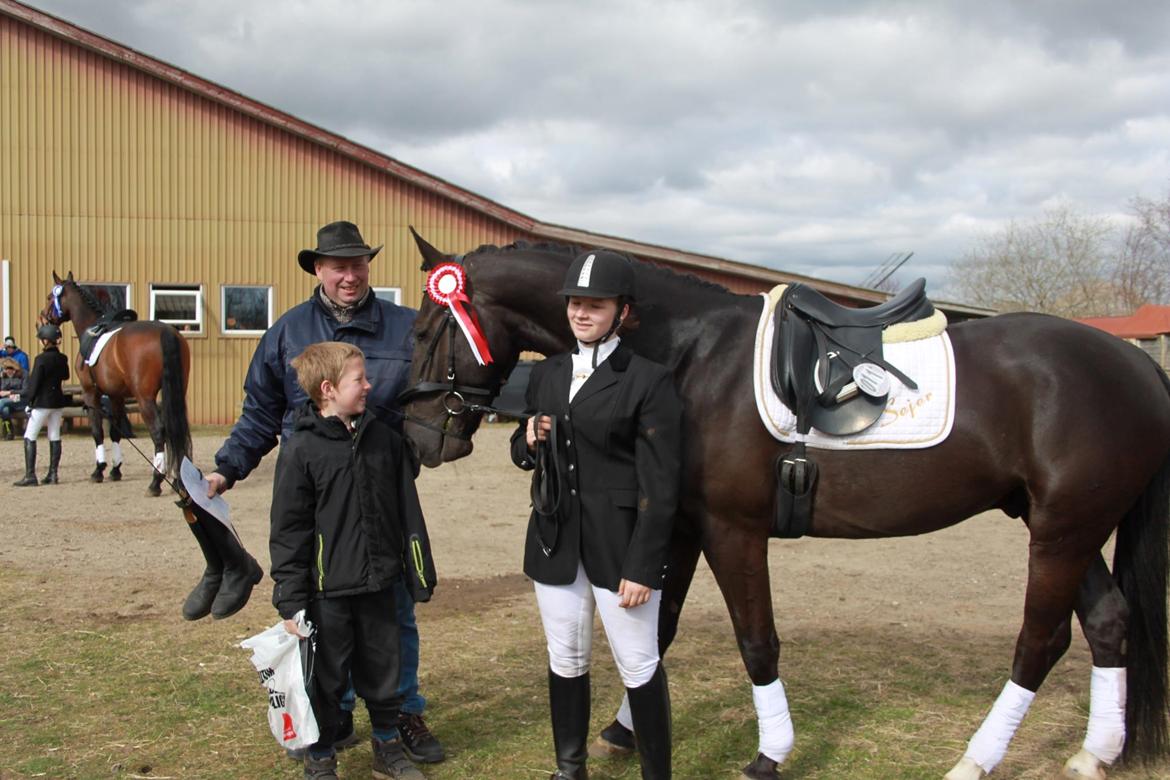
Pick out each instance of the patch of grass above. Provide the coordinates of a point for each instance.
(157, 697)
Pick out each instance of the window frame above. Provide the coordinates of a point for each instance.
(196, 290)
(223, 328)
(396, 290)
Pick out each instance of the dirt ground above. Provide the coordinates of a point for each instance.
(104, 554)
(112, 539)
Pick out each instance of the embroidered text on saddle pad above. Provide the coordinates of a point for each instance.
(911, 420)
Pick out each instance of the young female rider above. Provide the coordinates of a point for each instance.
(605, 432)
(46, 402)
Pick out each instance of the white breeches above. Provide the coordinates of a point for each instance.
(39, 418)
(567, 614)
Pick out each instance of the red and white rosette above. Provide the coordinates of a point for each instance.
(446, 286)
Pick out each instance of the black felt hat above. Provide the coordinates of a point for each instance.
(337, 239)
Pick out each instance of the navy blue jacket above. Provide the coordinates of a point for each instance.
(380, 329)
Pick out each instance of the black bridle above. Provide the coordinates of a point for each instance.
(458, 399)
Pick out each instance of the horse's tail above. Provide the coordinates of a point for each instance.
(1140, 565)
(173, 409)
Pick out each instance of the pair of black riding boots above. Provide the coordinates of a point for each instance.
(230, 575)
(30, 464)
(649, 705)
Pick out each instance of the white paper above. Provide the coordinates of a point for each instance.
(196, 487)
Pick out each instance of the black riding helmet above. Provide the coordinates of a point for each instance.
(49, 332)
(599, 273)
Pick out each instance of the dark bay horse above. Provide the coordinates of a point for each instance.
(1061, 425)
(140, 360)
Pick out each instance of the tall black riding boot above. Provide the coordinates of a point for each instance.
(198, 603)
(54, 462)
(240, 570)
(30, 465)
(568, 698)
(650, 708)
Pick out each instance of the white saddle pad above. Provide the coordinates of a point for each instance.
(913, 419)
(98, 346)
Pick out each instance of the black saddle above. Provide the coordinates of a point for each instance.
(818, 347)
(819, 344)
(111, 320)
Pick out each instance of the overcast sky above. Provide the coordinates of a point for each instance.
(817, 137)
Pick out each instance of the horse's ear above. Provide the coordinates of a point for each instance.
(69, 277)
(431, 256)
(56, 279)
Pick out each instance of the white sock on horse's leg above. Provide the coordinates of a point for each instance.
(623, 714)
(989, 745)
(116, 457)
(776, 733)
(1105, 736)
(160, 462)
(99, 453)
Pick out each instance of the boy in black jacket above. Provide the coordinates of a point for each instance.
(345, 515)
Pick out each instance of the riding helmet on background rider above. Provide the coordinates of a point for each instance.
(49, 332)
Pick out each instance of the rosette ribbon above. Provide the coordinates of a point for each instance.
(446, 286)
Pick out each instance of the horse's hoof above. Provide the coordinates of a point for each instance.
(763, 768)
(966, 769)
(96, 477)
(1083, 766)
(154, 491)
(116, 474)
(614, 741)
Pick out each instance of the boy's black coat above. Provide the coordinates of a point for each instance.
(344, 509)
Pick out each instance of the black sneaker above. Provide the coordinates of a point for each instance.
(321, 768)
(348, 739)
(391, 763)
(420, 744)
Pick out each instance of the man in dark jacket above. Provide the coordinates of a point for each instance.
(341, 308)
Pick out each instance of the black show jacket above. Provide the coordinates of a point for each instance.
(619, 445)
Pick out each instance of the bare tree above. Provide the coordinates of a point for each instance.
(1059, 263)
(1142, 272)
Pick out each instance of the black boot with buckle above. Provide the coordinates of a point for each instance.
(650, 708)
(30, 465)
(568, 699)
(54, 462)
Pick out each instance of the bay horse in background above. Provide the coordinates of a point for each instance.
(1058, 424)
(140, 360)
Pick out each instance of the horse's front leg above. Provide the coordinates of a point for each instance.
(739, 560)
(93, 411)
(153, 419)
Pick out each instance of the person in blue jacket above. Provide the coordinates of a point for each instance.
(341, 308)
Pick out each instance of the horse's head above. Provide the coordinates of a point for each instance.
(449, 387)
(57, 302)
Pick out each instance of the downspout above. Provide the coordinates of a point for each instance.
(5, 283)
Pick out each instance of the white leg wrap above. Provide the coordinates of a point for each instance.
(1105, 736)
(116, 449)
(776, 733)
(989, 745)
(160, 462)
(99, 453)
(623, 714)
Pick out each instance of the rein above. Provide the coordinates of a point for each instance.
(546, 486)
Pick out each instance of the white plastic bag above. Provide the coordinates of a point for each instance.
(276, 654)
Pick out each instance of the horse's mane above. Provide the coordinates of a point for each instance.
(90, 300)
(572, 250)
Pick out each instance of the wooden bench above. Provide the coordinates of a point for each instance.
(75, 412)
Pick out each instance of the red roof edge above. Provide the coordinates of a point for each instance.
(1147, 322)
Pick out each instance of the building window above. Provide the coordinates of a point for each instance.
(114, 297)
(180, 305)
(247, 309)
(392, 294)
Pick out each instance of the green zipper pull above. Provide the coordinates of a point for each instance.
(416, 552)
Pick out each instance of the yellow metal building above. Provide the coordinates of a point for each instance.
(187, 201)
